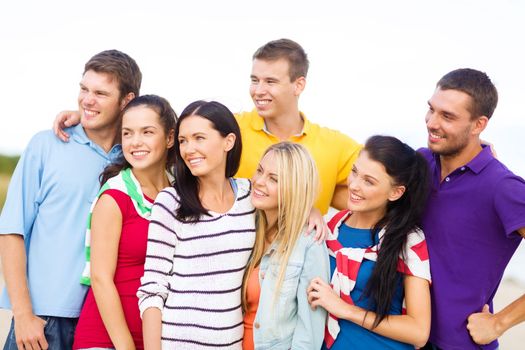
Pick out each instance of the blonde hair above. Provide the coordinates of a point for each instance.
(297, 189)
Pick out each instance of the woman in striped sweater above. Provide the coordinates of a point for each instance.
(200, 237)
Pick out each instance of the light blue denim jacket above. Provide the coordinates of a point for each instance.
(289, 322)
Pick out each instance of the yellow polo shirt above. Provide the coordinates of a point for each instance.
(333, 152)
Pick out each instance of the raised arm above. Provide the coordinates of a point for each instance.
(64, 120)
(316, 222)
(340, 198)
(106, 227)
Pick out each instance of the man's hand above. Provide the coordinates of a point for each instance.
(63, 120)
(29, 332)
(316, 221)
(483, 326)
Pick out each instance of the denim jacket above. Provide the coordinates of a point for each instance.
(288, 322)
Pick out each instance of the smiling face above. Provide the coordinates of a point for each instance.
(272, 92)
(202, 147)
(370, 187)
(99, 102)
(144, 142)
(450, 125)
(265, 184)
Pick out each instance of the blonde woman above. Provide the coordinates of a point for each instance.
(284, 258)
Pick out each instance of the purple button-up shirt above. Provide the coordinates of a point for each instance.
(470, 225)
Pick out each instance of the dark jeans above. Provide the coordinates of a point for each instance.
(59, 333)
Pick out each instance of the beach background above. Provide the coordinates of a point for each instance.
(373, 66)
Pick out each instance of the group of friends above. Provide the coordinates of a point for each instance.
(129, 227)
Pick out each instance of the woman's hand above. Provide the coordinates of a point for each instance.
(321, 294)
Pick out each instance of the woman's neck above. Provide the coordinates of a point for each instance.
(151, 181)
(216, 193)
(365, 220)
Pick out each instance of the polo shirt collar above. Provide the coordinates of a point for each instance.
(478, 163)
(482, 159)
(78, 134)
(259, 125)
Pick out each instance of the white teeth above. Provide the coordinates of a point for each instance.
(434, 136)
(195, 161)
(259, 193)
(262, 102)
(355, 197)
(90, 113)
(139, 153)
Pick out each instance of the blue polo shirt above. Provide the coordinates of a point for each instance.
(48, 201)
(470, 225)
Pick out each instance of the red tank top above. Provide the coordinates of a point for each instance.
(90, 331)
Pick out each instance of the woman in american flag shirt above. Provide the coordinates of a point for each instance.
(379, 295)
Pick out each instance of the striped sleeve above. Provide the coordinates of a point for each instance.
(162, 240)
(414, 260)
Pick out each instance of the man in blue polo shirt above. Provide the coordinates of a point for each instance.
(43, 222)
(475, 218)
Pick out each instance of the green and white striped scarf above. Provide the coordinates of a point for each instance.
(125, 182)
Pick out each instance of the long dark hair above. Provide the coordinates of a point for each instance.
(187, 185)
(407, 168)
(168, 119)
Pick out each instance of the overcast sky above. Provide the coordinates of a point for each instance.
(373, 66)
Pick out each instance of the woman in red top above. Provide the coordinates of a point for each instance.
(119, 226)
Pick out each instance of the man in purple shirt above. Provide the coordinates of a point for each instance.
(475, 217)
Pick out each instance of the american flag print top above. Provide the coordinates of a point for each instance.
(413, 261)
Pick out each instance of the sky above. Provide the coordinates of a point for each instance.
(373, 64)
(373, 67)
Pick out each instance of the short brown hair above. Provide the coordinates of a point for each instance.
(121, 66)
(477, 85)
(290, 51)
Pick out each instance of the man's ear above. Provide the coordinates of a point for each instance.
(480, 124)
(130, 96)
(300, 84)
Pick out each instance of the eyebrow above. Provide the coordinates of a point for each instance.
(443, 111)
(141, 128)
(106, 92)
(366, 175)
(263, 78)
(194, 134)
(371, 177)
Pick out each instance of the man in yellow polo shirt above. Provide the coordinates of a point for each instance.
(277, 80)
